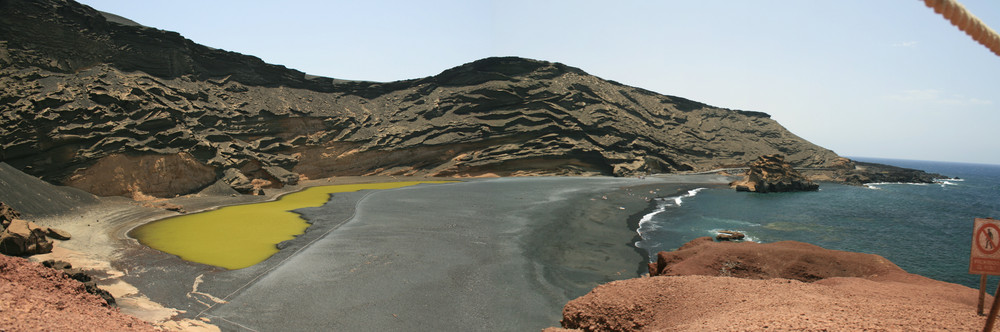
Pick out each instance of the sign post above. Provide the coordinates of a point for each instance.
(984, 260)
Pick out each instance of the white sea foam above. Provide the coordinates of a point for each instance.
(942, 182)
(948, 182)
(646, 223)
(874, 185)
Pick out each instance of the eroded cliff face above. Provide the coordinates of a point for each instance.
(77, 90)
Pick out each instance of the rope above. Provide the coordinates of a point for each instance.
(965, 21)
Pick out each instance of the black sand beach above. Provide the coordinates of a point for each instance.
(486, 254)
(503, 254)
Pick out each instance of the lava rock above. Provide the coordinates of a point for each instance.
(770, 173)
(729, 236)
(7, 214)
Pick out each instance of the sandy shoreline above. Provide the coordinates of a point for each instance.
(549, 251)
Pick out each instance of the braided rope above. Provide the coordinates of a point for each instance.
(965, 21)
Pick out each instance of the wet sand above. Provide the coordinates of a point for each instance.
(496, 254)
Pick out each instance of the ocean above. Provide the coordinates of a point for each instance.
(926, 229)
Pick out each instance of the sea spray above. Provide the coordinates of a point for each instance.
(647, 224)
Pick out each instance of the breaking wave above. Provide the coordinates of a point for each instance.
(663, 204)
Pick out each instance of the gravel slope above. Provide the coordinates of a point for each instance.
(36, 298)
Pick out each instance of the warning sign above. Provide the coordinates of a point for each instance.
(985, 257)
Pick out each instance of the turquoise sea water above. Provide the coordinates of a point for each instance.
(925, 229)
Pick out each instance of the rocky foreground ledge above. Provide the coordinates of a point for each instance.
(38, 298)
(709, 286)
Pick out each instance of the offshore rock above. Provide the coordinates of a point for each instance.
(771, 173)
(729, 236)
(879, 173)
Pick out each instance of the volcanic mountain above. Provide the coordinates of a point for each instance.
(97, 102)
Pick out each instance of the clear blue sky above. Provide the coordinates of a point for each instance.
(887, 78)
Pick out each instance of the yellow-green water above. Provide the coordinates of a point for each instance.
(239, 236)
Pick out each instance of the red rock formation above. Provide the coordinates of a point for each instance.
(709, 286)
(36, 298)
(786, 259)
(703, 303)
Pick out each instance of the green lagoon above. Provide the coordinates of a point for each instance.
(239, 236)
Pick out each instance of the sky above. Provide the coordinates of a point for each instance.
(887, 78)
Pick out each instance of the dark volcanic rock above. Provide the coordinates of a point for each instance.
(730, 236)
(879, 173)
(84, 98)
(772, 174)
(90, 285)
(7, 214)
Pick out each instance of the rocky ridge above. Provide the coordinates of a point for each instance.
(162, 115)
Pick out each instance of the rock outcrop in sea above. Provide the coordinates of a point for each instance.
(771, 173)
(115, 108)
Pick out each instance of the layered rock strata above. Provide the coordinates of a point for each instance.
(120, 108)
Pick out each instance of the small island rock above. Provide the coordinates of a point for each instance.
(730, 236)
